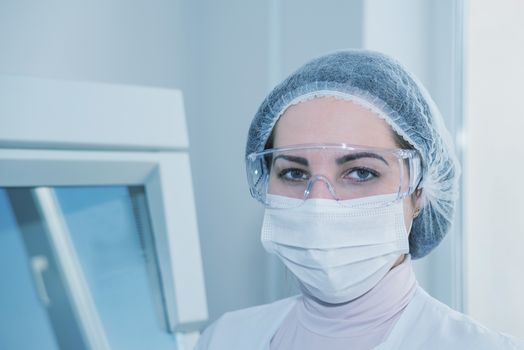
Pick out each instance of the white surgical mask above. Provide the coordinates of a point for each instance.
(337, 253)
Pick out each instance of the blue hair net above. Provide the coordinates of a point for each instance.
(381, 84)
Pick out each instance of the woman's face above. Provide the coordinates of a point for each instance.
(330, 120)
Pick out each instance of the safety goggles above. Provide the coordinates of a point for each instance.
(342, 172)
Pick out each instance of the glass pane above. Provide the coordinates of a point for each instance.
(108, 243)
(109, 231)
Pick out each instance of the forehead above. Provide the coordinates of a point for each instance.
(330, 120)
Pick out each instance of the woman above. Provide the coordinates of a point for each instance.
(357, 172)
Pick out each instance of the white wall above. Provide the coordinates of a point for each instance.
(118, 41)
(495, 151)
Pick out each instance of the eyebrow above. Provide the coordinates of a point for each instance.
(339, 161)
(299, 160)
(354, 156)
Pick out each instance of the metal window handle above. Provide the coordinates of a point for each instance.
(39, 264)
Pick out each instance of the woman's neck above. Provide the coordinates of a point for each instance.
(376, 310)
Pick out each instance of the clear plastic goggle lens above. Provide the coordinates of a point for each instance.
(341, 172)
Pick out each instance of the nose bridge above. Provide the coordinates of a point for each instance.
(320, 187)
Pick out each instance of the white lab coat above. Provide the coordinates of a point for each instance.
(425, 324)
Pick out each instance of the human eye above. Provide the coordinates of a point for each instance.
(361, 174)
(293, 175)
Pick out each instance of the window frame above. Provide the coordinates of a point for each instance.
(112, 141)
